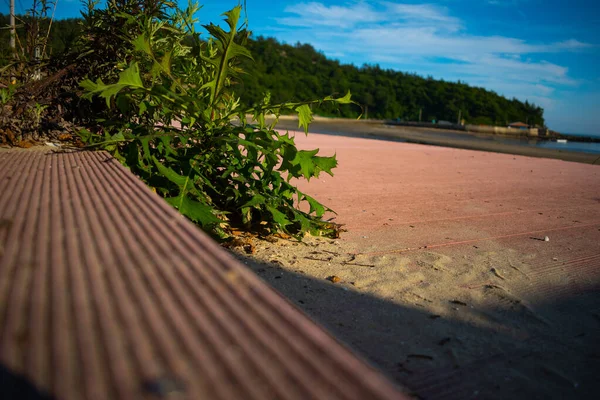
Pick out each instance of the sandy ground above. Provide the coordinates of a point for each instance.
(444, 280)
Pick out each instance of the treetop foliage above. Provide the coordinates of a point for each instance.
(290, 72)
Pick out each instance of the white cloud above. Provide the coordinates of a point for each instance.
(415, 37)
(414, 13)
(318, 14)
(571, 44)
(358, 14)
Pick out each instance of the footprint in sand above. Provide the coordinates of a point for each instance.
(435, 261)
(510, 306)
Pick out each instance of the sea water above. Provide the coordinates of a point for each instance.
(581, 147)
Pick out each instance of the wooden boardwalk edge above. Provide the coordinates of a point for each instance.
(106, 292)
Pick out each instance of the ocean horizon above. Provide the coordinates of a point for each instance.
(593, 135)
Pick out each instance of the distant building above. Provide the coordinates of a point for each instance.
(518, 125)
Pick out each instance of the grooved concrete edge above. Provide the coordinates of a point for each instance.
(107, 292)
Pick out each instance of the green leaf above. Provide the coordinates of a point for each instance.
(345, 100)
(118, 136)
(131, 76)
(325, 163)
(171, 175)
(123, 104)
(279, 217)
(227, 50)
(109, 92)
(194, 210)
(315, 206)
(304, 158)
(145, 147)
(165, 62)
(143, 107)
(255, 201)
(304, 117)
(303, 221)
(142, 43)
(88, 85)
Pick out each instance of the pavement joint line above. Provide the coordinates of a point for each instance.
(432, 246)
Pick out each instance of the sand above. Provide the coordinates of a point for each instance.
(444, 280)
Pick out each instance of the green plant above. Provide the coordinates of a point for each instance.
(35, 113)
(32, 34)
(6, 94)
(173, 118)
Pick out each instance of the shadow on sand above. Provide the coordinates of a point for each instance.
(550, 353)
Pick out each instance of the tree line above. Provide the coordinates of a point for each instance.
(292, 72)
(298, 72)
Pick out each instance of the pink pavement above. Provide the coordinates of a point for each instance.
(433, 227)
(394, 196)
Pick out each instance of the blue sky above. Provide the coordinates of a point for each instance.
(545, 51)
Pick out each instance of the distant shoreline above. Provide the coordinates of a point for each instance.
(579, 137)
(438, 137)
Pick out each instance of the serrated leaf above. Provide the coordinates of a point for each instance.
(109, 92)
(278, 217)
(228, 50)
(92, 88)
(347, 99)
(131, 76)
(255, 201)
(118, 136)
(146, 147)
(179, 180)
(194, 210)
(165, 62)
(315, 206)
(325, 163)
(303, 221)
(304, 162)
(304, 117)
(88, 85)
(142, 43)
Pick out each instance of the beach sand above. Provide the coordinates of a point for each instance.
(444, 279)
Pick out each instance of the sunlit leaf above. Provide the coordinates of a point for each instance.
(170, 174)
(304, 117)
(279, 217)
(131, 76)
(344, 100)
(194, 210)
(141, 43)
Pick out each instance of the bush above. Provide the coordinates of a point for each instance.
(170, 114)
